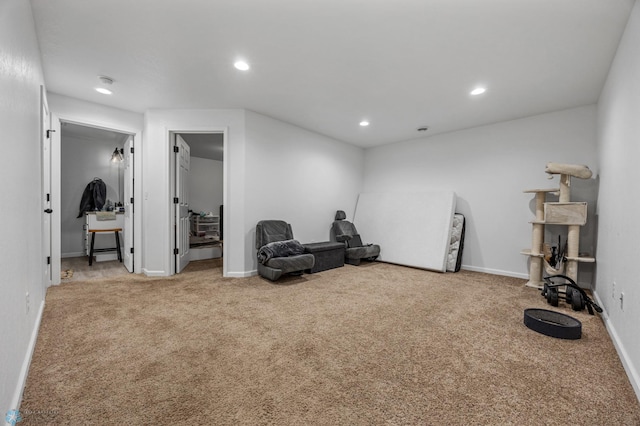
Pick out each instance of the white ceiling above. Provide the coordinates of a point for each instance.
(326, 65)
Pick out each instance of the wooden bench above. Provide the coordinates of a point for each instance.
(116, 232)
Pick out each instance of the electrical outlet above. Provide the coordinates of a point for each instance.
(622, 301)
(27, 300)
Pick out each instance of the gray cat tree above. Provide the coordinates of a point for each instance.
(563, 212)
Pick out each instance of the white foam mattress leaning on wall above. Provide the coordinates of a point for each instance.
(412, 229)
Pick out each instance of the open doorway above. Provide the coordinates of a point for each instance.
(198, 195)
(88, 156)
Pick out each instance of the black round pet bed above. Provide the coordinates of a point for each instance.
(553, 324)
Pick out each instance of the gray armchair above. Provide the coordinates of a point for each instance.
(345, 231)
(278, 253)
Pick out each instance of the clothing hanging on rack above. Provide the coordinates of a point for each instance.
(93, 197)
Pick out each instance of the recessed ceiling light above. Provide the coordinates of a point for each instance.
(241, 65)
(364, 123)
(103, 91)
(478, 91)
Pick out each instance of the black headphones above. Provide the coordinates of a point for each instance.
(573, 294)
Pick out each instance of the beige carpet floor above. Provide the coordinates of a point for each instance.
(374, 344)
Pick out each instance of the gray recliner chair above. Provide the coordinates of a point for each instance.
(278, 253)
(345, 231)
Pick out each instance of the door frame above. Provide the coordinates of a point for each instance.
(128, 194)
(46, 139)
(172, 190)
(56, 167)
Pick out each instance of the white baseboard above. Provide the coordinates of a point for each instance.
(244, 274)
(150, 273)
(495, 271)
(24, 370)
(629, 368)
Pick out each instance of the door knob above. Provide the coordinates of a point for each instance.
(48, 211)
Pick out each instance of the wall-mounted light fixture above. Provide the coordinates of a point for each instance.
(117, 155)
(105, 83)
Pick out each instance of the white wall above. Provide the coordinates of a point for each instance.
(158, 258)
(488, 167)
(619, 199)
(205, 185)
(21, 255)
(272, 170)
(297, 176)
(82, 160)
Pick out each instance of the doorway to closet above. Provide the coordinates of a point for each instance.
(91, 155)
(198, 196)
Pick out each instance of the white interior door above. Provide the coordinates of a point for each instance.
(183, 159)
(45, 137)
(127, 257)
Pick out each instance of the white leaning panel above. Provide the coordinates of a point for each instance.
(412, 229)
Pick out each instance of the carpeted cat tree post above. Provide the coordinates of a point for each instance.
(562, 212)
